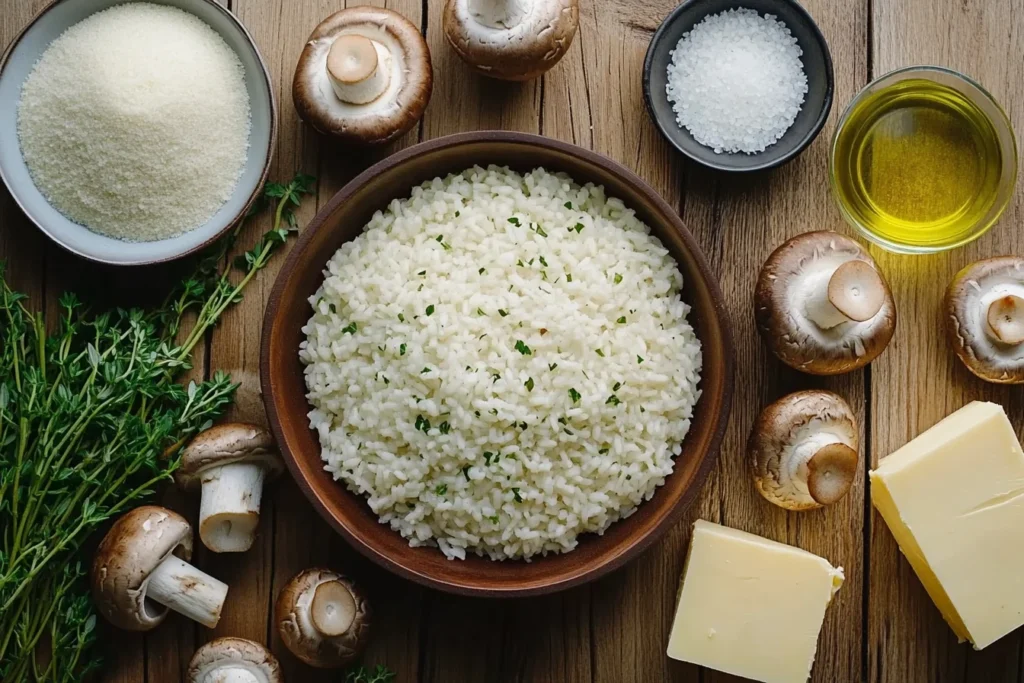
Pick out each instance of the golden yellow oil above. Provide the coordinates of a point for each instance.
(917, 164)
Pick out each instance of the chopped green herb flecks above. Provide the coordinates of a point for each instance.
(424, 371)
(540, 231)
(639, 360)
(568, 205)
(349, 329)
(523, 348)
(465, 472)
(520, 263)
(574, 395)
(441, 490)
(401, 318)
(430, 309)
(513, 220)
(618, 278)
(602, 451)
(568, 277)
(613, 400)
(401, 349)
(480, 311)
(543, 262)
(502, 312)
(552, 366)
(333, 308)
(495, 377)
(458, 213)
(562, 421)
(440, 238)
(444, 427)
(599, 352)
(622, 320)
(528, 384)
(493, 518)
(515, 494)
(422, 272)
(386, 380)
(487, 457)
(422, 424)
(482, 271)
(578, 228)
(618, 385)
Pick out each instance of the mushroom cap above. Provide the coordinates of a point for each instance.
(136, 545)
(803, 450)
(781, 318)
(294, 616)
(981, 294)
(215, 658)
(224, 444)
(392, 113)
(520, 52)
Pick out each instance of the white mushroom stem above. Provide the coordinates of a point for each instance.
(233, 674)
(853, 292)
(230, 507)
(500, 14)
(181, 587)
(795, 467)
(1005, 319)
(333, 608)
(359, 68)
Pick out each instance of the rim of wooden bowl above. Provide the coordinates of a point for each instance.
(238, 217)
(348, 514)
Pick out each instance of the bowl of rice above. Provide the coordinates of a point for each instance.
(497, 364)
(134, 133)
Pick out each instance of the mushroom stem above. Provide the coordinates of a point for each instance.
(808, 461)
(189, 591)
(359, 68)
(1006, 320)
(333, 608)
(230, 507)
(853, 292)
(499, 14)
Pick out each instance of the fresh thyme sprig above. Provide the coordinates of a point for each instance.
(92, 418)
(360, 674)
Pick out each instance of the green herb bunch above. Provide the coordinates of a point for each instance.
(360, 674)
(92, 417)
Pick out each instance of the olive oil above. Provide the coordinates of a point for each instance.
(919, 166)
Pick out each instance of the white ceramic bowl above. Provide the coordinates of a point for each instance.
(17, 63)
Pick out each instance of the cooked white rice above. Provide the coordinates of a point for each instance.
(501, 362)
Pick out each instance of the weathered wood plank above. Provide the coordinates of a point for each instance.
(918, 381)
(739, 220)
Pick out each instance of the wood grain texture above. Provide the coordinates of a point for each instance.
(882, 627)
(918, 380)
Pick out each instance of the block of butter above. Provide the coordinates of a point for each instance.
(749, 606)
(954, 499)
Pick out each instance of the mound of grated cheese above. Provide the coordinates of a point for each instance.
(135, 122)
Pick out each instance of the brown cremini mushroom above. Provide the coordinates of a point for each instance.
(233, 660)
(803, 450)
(230, 462)
(822, 306)
(513, 40)
(323, 618)
(364, 76)
(985, 318)
(141, 570)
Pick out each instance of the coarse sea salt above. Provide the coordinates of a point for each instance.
(736, 81)
(135, 122)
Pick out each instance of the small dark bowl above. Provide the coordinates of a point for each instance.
(284, 387)
(817, 65)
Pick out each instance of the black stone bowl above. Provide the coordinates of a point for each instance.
(817, 65)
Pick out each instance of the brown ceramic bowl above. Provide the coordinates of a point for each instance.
(342, 219)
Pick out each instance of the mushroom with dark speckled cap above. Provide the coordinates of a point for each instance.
(513, 40)
(323, 618)
(822, 306)
(364, 76)
(803, 450)
(233, 660)
(985, 318)
(141, 569)
(230, 463)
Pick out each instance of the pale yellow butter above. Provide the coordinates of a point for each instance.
(954, 499)
(751, 607)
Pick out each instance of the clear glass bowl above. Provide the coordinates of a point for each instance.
(924, 241)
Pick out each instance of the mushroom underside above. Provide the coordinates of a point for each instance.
(970, 327)
(786, 471)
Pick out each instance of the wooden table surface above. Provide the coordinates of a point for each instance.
(881, 627)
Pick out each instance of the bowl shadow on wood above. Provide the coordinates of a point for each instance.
(341, 220)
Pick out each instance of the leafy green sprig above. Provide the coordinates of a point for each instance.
(92, 417)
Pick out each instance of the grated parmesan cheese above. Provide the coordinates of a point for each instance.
(135, 122)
